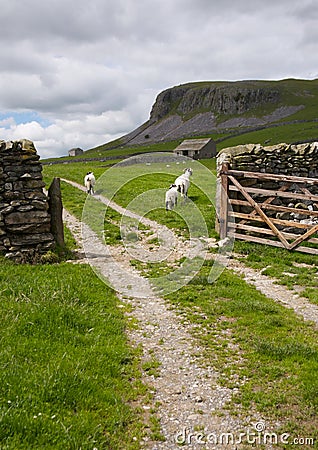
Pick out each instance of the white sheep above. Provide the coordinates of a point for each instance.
(183, 182)
(171, 197)
(89, 182)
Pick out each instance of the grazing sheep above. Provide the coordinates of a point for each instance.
(89, 182)
(171, 197)
(183, 182)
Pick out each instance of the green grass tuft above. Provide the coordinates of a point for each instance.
(66, 367)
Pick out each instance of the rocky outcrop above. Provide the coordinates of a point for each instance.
(173, 127)
(205, 108)
(24, 218)
(227, 98)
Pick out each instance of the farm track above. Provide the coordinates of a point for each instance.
(186, 392)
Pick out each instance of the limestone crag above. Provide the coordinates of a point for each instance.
(225, 99)
(24, 218)
(202, 108)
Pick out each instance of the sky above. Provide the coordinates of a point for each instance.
(79, 73)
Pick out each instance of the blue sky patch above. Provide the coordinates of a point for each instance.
(25, 117)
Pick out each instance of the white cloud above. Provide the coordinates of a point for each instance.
(88, 72)
(56, 139)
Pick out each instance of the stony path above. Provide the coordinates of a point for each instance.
(188, 396)
(187, 391)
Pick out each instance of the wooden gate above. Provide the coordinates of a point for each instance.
(269, 209)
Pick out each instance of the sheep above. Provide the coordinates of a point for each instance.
(89, 182)
(171, 197)
(183, 182)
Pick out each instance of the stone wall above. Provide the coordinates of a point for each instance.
(285, 159)
(282, 159)
(24, 219)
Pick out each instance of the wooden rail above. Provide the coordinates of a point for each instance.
(265, 222)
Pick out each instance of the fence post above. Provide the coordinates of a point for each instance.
(224, 205)
(56, 210)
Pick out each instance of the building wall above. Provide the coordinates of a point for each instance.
(75, 152)
(208, 151)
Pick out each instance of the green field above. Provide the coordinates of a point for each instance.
(69, 377)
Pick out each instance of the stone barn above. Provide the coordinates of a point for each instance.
(196, 148)
(75, 152)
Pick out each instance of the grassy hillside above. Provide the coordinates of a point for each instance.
(297, 127)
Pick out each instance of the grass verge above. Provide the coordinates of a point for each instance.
(67, 373)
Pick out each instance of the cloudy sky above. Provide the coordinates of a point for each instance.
(79, 73)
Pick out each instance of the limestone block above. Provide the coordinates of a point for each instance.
(33, 184)
(31, 239)
(27, 217)
(29, 228)
(27, 146)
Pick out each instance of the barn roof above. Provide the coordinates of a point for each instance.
(193, 144)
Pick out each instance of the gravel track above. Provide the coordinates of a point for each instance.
(186, 392)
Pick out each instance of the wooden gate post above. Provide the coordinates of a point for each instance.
(224, 201)
(56, 210)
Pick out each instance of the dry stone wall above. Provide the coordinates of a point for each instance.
(24, 219)
(285, 159)
(282, 159)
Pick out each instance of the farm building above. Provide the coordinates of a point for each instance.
(196, 148)
(75, 151)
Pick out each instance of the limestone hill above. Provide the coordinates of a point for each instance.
(224, 109)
